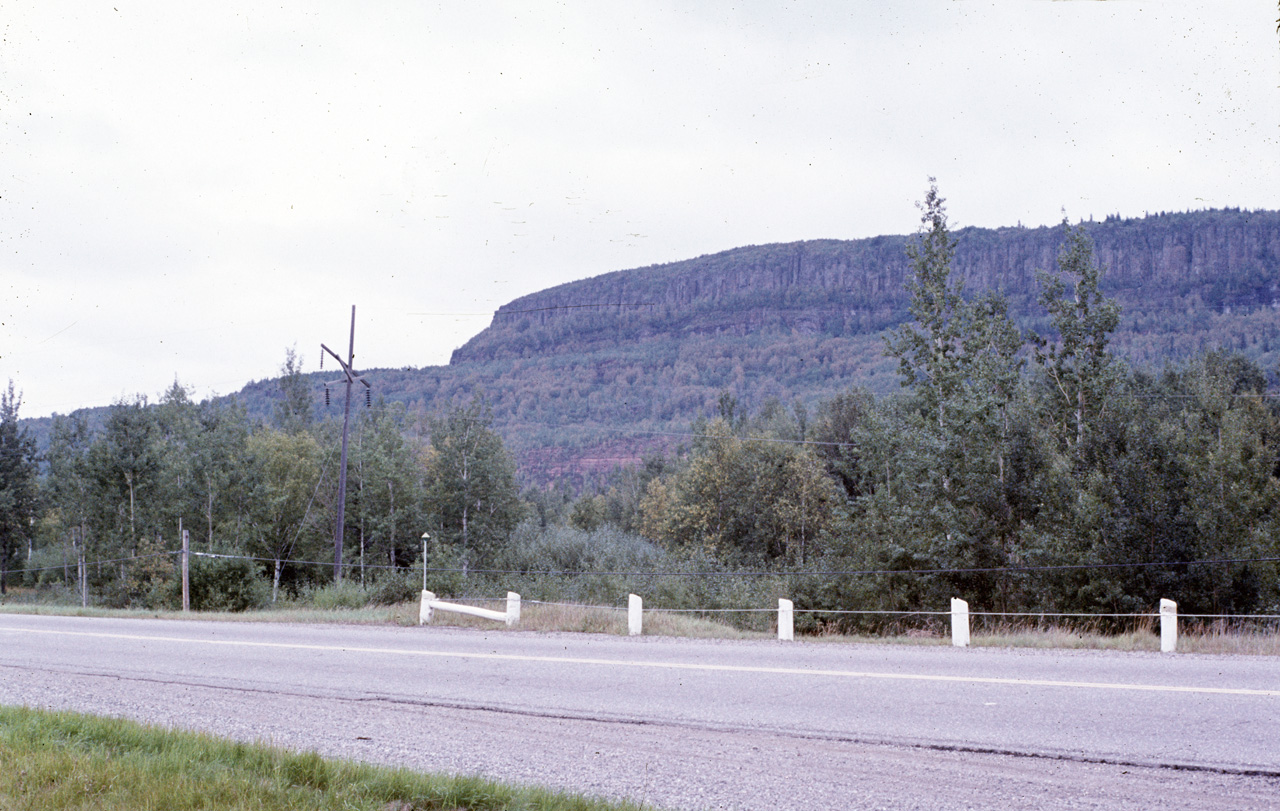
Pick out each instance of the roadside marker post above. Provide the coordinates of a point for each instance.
(786, 620)
(635, 609)
(1168, 626)
(959, 623)
(513, 608)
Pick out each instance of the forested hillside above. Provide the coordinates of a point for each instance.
(578, 374)
(590, 374)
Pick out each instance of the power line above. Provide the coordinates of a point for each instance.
(88, 563)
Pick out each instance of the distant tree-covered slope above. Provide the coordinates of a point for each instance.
(593, 373)
(581, 374)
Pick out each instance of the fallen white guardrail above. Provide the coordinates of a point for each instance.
(430, 604)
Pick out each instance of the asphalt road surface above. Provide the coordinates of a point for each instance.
(691, 724)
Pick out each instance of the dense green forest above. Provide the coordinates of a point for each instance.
(1025, 468)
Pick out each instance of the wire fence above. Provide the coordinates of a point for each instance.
(1041, 615)
(818, 614)
(888, 612)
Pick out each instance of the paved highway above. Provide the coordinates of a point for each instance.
(691, 723)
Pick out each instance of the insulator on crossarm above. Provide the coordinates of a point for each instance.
(368, 398)
(322, 357)
(326, 396)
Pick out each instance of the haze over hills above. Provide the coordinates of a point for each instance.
(592, 373)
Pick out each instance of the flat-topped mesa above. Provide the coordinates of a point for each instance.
(1208, 260)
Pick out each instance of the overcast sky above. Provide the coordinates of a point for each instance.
(186, 190)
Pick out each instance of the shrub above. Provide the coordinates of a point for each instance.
(346, 594)
(394, 588)
(48, 565)
(568, 549)
(221, 584)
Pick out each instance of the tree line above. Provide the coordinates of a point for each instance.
(1024, 472)
(112, 500)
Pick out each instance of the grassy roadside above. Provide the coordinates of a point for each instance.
(59, 761)
(590, 619)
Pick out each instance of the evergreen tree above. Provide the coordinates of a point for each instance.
(1078, 368)
(68, 486)
(839, 421)
(929, 349)
(125, 460)
(17, 484)
(177, 432)
(962, 361)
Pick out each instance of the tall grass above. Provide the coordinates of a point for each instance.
(59, 761)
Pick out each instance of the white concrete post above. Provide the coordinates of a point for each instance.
(959, 623)
(1168, 626)
(424, 613)
(786, 620)
(635, 609)
(513, 608)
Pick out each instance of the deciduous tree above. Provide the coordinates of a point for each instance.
(285, 476)
(471, 492)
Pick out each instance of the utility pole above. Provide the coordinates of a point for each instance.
(186, 567)
(350, 379)
(82, 576)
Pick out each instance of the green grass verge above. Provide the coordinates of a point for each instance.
(51, 761)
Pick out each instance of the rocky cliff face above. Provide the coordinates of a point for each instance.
(1200, 262)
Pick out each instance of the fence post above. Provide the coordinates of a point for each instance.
(635, 608)
(959, 623)
(1168, 626)
(786, 620)
(513, 608)
(424, 613)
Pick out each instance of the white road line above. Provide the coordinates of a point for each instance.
(787, 671)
